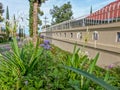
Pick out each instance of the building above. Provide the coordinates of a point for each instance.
(98, 32)
(109, 12)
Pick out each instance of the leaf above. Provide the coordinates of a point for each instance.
(38, 84)
(91, 69)
(32, 88)
(92, 66)
(93, 78)
(14, 46)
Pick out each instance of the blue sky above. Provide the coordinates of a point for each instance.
(79, 7)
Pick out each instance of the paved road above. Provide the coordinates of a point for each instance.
(7, 47)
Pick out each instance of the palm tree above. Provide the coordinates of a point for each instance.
(36, 4)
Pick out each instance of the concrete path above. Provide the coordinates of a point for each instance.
(7, 47)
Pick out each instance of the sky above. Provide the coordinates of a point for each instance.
(79, 7)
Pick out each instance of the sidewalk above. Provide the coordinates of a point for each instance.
(7, 47)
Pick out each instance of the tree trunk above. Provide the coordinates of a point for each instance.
(35, 22)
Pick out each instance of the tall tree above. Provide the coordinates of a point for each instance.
(15, 26)
(91, 10)
(60, 14)
(34, 18)
(7, 13)
(7, 22)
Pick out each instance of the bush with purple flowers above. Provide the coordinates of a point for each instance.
(30, 68)
(46, 45)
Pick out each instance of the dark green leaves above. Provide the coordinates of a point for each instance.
(60, 14)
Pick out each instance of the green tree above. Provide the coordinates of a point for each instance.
(7, 22)
(91, 10)
(60, 14)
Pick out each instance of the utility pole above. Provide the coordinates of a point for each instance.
(45, 21)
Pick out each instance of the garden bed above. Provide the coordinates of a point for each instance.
(43, 68)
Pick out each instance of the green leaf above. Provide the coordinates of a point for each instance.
(14, 46)
(38, 84)
(32, 88)
(93, 78)
(92, 66)
(91, 69)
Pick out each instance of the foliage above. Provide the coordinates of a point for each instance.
(85, 67)
(60, 14)
(36, 68)
(7, 23)
(12, 27)
(1, 18)
(15, 65)
(116, 79)
(7, 13)
(3, 38)
(93, 78)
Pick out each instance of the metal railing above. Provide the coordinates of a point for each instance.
(80, 22)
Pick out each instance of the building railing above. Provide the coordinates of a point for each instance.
(79, 22)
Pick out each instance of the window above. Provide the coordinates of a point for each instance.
(71, 35)
(79, 35)
(60, 34)
(56, 34)
(95, 35)
(65, 34)
(118, 36)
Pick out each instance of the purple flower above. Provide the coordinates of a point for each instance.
(46, 45)
(110, 66)
(46, 42)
